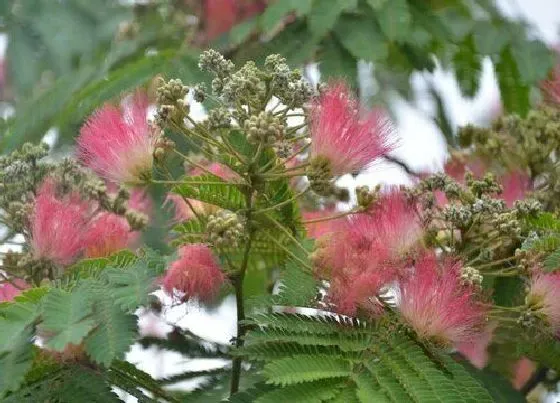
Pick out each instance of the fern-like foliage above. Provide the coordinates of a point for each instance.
(334, 358)
(211, 189)
(92, 306)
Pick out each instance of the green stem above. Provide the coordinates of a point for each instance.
(239, 302)
(290, 200)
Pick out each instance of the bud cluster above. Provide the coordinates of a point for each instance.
(225, 229)
(471, 276)
(366, 197)
(173, 106)
(264, 128)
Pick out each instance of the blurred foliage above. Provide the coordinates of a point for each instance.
(64, 59)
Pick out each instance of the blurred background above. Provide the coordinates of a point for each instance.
(435, 64)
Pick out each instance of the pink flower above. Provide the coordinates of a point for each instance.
(107, 234)
(544, 296)
(458, 166)
(219, 17)
(515, 186)
(318, 229)
(339, 135)
(183, 212)
(390, 230)
(476, 349)
(437, 306)
(57, 225)
(118, 145)
(522, 371)
(366, 252)
(196, 274)
(9, 291)
(352, 290)
(140, 201)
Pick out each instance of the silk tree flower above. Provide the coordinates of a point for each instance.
(515, 184)
(344, 141)
(57, 225)
(196, 274)
(365, 252)
(318, 229)
(438, 306)
(106, 234)
(221, 15)
(544, 298)
(389, 230)
(476, 349)
(9, 291)
(118, 144)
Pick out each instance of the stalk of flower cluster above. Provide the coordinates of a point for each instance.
(238, 285)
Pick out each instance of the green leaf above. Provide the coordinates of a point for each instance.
(362, 38)
(213, 190)
(298, 286)
(308, 392)
(337, 62)
(16, 317)
(323, 16)
(489, 38)
(114, 334)
(275, 13)
(499, 387)
(85, 385)
(534, 60)
(508, 291)
(458, 20)
(134, 381)
(300, 353)
(66, 318)
(288, 371)
(552, 261)
(468, 66)
(131, 288)
(193, 230)
(77, 94)
(377, 4)
(395, 20)
(515, 94)
(241, 32)
(15, 363)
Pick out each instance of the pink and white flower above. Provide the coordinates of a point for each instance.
(544, 296)
(341, 135)
(118, 144)
(106, 234)
(57, 225)
(437, 306)
(196, 274)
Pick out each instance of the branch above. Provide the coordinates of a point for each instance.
(402, 164)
